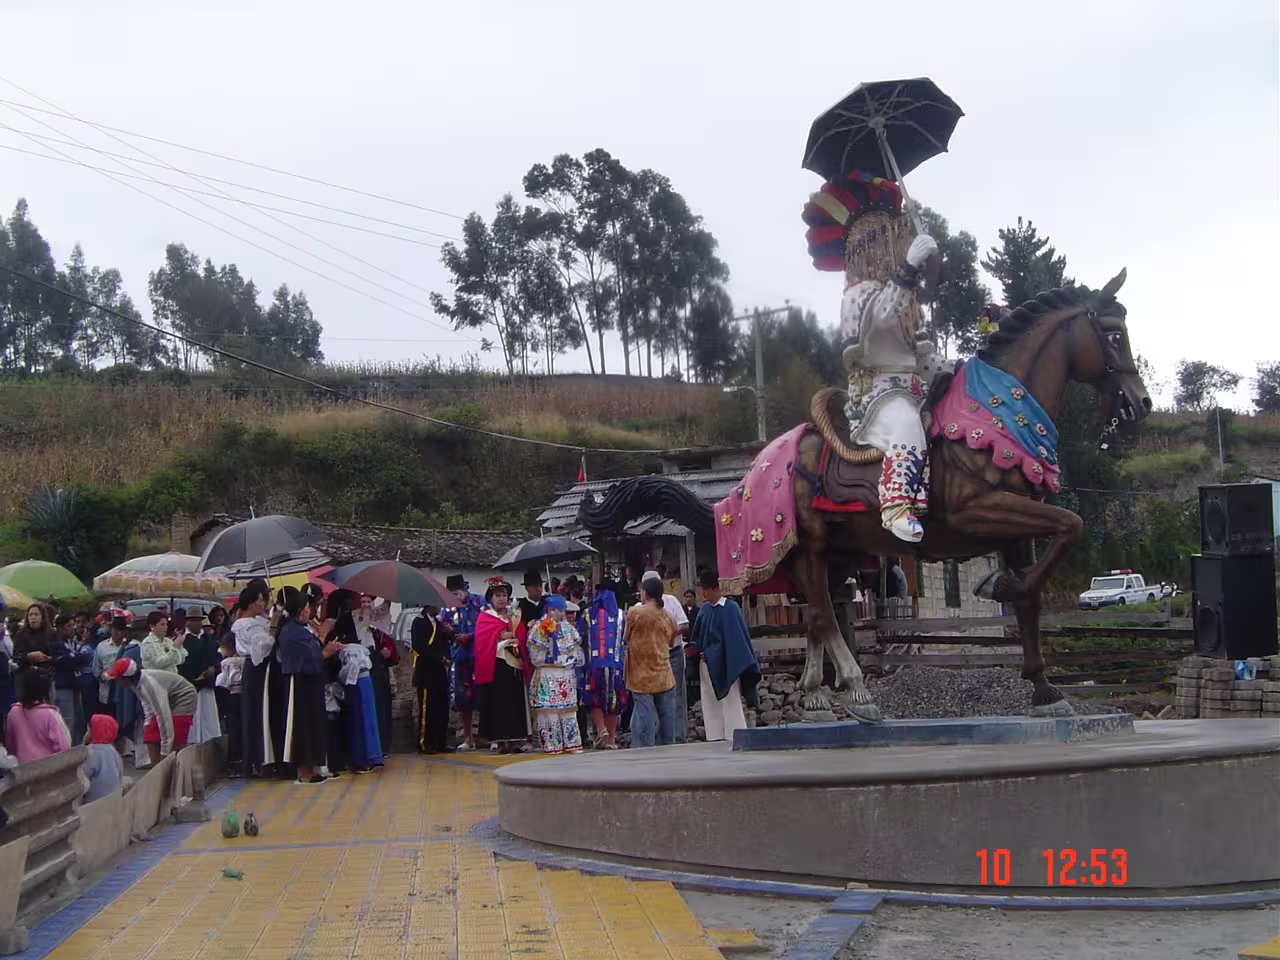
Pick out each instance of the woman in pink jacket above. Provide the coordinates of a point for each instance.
(35, 728)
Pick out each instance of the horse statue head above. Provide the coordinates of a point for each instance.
(1073, 334)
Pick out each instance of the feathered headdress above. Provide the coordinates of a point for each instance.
(857, 226)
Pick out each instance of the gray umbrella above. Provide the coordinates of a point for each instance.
(542, 552)
(259, 539)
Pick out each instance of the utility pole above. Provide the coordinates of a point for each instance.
(761, 429)
(757, 327)
(1217, 410)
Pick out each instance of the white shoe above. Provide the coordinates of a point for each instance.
(906, 527)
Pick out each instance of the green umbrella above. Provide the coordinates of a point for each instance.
(42, 580)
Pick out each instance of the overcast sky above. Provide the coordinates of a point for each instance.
(1133, 133)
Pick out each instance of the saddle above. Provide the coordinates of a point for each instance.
(845, 487)
(853, 486)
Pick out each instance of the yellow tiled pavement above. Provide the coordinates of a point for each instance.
(380, 866)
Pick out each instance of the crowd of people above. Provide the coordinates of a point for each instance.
(571, 666)
(300, 683)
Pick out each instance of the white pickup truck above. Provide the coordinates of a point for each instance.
(1117, 588)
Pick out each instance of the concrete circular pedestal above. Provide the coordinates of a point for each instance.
(1188, 803)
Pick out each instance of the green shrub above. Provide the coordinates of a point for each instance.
(1165, 469)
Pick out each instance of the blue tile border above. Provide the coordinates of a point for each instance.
(49, 934)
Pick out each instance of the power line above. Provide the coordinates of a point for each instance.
(246, 223)
(313, 383)
(247, 163)
(258, 246)
(208, 193)
(29, 134)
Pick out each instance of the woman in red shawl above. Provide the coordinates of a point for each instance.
(500, 689)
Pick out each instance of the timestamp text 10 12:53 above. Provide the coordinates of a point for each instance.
(1066, 868)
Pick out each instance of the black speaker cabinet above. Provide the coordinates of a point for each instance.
(1235, 519)
(1235, 606)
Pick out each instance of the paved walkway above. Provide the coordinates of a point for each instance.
(378, 866)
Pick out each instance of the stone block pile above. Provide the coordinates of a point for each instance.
(1207, 688)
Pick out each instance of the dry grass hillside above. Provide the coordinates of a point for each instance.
(71, 431)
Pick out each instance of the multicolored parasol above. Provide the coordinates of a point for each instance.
(392, 580)
(163, 575)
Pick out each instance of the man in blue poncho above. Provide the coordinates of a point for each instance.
(728, 662)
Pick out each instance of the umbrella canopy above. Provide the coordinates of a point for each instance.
(259, 539)
(14, 599)
(288, 568)
(542, 552)
(391, 580)
(42, 580)
(913, 119)
(162, 575)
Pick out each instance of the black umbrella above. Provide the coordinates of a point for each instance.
(258, 540)
(887, 128)
(543, 551)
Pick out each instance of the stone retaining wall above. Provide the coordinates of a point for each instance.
(1207, 688)
(41, 801)
(51, 841)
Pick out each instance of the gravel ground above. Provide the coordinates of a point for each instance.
(777, 923)
(942, 933)
(932, 692)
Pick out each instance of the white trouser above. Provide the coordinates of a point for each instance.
(721, 717)
(205, 725)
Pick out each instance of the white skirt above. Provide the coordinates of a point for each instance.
(205, 725)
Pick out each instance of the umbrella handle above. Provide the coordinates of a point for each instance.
(886, 152)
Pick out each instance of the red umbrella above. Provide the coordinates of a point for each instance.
(316, 576)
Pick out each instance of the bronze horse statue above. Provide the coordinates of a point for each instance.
(976, 506)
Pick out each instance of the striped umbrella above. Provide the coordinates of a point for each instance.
(163, 575)
(392, 580)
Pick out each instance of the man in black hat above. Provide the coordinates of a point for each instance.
(199, 669)
(431, 641)
(534, 604)
(461, 618)
(104, 655)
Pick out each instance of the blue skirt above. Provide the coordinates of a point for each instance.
(363, 747)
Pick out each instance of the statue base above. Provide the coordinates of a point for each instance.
(920, 733)
(1175, 800)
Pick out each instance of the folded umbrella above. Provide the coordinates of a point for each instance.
(391, 580)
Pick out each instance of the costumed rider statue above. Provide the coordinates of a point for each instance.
(858, 226)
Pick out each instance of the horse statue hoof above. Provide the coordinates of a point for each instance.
(815, 707)
(1059, 708)
(866, 713)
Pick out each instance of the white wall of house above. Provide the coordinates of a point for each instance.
(934, 601)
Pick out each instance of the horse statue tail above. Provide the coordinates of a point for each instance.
(820, 411)
(642, 496)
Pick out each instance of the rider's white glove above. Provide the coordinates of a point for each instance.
(922, 248)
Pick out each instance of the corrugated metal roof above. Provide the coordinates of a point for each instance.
(711, 486)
